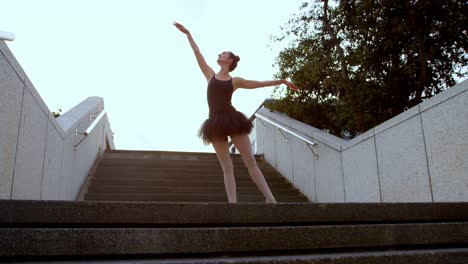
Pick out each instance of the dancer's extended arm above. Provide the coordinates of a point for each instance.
(207, 70)
(250, 84)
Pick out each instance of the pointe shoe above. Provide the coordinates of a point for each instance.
(266, 201)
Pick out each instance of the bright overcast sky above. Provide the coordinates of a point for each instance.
(129, 53)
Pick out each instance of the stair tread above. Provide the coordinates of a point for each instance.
(383, 256)
(189, 197)
(17, 211)
(148, 176)
(49, 241)
(141, 154)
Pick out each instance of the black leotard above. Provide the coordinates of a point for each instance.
(224, 120)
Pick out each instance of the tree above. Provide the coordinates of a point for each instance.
(360, 63)
(58, 113)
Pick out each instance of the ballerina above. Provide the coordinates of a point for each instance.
(224, 120)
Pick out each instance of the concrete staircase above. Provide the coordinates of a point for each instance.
(158, 232)
(179, 177)
(171, 207)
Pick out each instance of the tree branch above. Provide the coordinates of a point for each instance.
(331, 32)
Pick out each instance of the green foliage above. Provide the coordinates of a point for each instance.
(360, 63)
(57, 114)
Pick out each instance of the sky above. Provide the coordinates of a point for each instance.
(130, 54)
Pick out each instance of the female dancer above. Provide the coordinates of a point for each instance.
(224, 120)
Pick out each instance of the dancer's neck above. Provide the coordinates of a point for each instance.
(223, 72)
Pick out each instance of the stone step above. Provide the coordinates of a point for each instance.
(191, 176)
(187, 190)
(105, 162)
(240, 183)
(58, 241)
(182, 197)
(168, 155)
(165, 176)
(175, 170)
(17, 212)
(160, 176)
(380, 256)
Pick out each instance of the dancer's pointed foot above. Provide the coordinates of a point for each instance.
(267, 201)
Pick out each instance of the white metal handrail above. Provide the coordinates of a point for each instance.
(306, 140)
(90, 128)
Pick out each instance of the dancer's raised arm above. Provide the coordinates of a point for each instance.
(250, 84)
(207, 70)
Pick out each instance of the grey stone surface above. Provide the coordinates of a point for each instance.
(446, 136)
(304, 129)
(402, 163)
(269, 144)
(283, 155)
(428, 256)
(443, 96)
(11, 97)
(130, 240)
(52, 164)
(397, 119)
(31, 168)
(259, 133)
(107, 137)
(68, 125)
(360, 173)
(42, 105)
(8, 55)
(329, 175)
(68, 170)
(86, 154)
(363, 137)
(78, 116)
(327, 139)
(402, 154)
(303, 168)
(183, 180)
(89, 212)
(27, 180)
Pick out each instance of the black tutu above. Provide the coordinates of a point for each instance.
(223, 124)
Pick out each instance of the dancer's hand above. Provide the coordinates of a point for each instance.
(181, 28)
(291, 85)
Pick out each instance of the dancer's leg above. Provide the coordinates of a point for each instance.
(222, 152)
(242, 143)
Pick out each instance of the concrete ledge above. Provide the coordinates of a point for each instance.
(305, 129)
(361, 138)
(38, 150)
(382, 256)
(411, 157)
(444, 96)
(6, 52)
(119, 241)
(105, 212)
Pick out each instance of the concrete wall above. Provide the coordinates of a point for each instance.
(420, 155)
(38, 158)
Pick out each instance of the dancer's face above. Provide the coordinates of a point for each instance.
(224, 58)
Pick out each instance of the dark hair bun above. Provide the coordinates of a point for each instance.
(234, 61)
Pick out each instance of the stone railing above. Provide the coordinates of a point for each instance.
(43, 157)
(420, 155)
